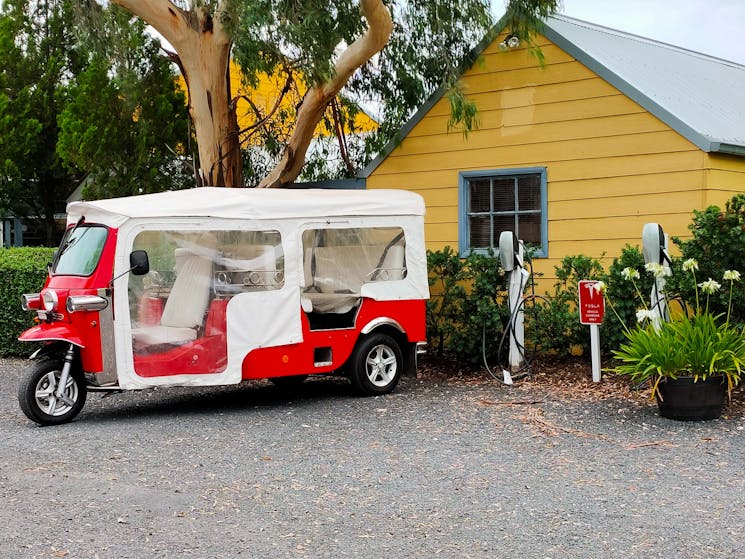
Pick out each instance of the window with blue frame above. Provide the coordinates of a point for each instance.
(503, 200)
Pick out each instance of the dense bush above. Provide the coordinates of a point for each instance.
(22, 270)
(467, 305)
(553, 320)
(718, 244)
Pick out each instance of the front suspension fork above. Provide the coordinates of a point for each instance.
(65, 375)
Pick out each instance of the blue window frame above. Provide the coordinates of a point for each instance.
(499, 200)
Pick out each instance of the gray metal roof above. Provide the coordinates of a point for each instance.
(699, 96)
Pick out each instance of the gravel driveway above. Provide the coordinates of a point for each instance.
(439, 468)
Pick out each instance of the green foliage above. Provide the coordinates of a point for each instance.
(37, 55)
(700, 346)
(467, 305)
(552, 322)
(718, 244)
(23, 270)
(69, 111)
(431, 42)
(623, 297)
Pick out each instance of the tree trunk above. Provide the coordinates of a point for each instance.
(203, 54)
(203, 49)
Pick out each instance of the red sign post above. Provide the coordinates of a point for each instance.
(591, 302)
(591, 311)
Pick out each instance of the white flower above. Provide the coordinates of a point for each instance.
(599, 287)
(690, 264)
(630, 273)
(658, 270)
(731, 275)
(644, 314)
(709, 286)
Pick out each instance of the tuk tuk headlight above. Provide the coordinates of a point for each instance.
(30, 301)
(50, 300)
(85, 303)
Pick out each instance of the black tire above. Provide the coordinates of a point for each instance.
(376, 365)
(37, 401)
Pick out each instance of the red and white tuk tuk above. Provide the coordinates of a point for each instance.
(214, 286)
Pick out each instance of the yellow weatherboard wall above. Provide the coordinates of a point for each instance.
(612, 166)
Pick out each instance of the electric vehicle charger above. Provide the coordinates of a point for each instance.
(508, 377)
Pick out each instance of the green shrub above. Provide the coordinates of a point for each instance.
(22, 270)
(718, 244)
(467, 305)
(552, 321)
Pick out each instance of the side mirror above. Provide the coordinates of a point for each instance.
(139, 263)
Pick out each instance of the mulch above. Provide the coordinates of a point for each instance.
(559, 378)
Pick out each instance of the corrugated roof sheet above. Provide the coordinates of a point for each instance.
(700, 96)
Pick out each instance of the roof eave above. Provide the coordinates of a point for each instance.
(728, 149)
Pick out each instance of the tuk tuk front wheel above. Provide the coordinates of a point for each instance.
(376, 365)
(37, 393)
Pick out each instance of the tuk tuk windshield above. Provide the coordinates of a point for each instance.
(80, 250)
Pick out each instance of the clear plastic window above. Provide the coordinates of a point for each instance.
(341, 260)
(192, 276)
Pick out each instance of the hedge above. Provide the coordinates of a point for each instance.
(22, 270)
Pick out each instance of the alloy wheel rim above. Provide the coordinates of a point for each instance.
(45, 396)
(381, 365)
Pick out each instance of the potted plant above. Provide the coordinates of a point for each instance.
(693, 360)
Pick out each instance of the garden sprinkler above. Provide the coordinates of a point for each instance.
(654, 249)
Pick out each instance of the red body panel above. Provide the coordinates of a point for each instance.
(299, 359)
(80, 328)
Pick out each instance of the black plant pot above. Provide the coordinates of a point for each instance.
(686, 400)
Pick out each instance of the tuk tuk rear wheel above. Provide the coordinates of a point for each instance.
(36, 393)
(376, 365)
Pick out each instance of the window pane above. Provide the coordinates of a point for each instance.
(530, 228)
(504, 194)
(503, 223)
(480, 232)
(529, 192)
(480, 195)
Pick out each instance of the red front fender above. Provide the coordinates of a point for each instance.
(58, 332)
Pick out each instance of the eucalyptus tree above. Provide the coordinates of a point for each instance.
(398, 52)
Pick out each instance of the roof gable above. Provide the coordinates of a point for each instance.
(698, 96)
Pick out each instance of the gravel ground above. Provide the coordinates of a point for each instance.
(441, 467)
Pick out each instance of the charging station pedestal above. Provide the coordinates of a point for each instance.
(511, 259)
(654, 250)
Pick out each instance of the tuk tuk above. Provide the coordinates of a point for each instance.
(215, 286)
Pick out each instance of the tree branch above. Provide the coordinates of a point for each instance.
(380, 26)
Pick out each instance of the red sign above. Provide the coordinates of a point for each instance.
(591, 302)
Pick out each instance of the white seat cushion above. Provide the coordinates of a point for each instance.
(152, 335)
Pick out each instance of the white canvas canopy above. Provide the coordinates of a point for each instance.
(248, 203)
(195, 225)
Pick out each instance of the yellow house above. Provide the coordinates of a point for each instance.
(614, 131)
